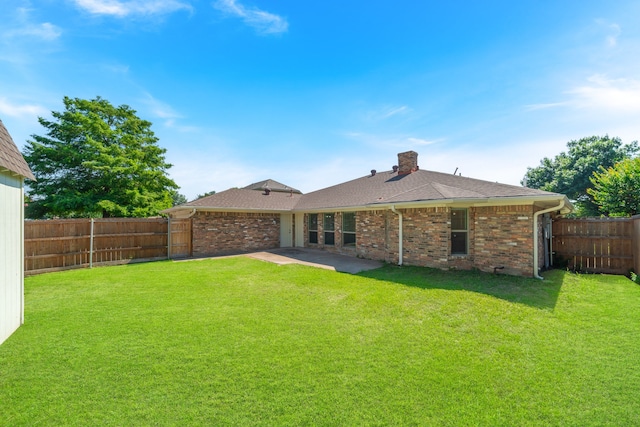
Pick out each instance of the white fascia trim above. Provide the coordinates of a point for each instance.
(492, 201)
(469, 202)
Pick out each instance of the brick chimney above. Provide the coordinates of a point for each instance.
(407, 162)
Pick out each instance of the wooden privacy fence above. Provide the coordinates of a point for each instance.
(52, 245)
(598, 245)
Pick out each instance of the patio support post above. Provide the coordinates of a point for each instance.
(169, 237)
(91, 246)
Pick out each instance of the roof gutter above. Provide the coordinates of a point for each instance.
(535, 236)
(393, 209)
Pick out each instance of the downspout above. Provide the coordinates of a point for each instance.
(535, 236)
(393, 209)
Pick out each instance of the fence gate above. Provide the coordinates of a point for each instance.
(180, 238)
(594, 245)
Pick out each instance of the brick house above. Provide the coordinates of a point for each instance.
(405, 216)
(13, 171)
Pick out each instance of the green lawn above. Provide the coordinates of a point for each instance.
(242, 342)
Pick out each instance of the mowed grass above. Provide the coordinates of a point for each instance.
(242, 342)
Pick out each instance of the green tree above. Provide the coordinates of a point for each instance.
(177, 198)
(570, 172)
(97, 160)
(617, 189)
(208, 193)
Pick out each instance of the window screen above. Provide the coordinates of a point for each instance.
(313, 228)
(348, 229)
(328, 223)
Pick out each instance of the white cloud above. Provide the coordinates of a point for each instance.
(22, 26)
(419, 141)
(395, 111)
(20, 110)
(121, 9)
(534, 107)
(166, 113)
(380, 114)
(612, 39)
(613, 31)
(263, 22)
(599, 93)
(159, 108)
(116, 68)
(103, 7)
(45, 31)
(602, 93)
(402, 142)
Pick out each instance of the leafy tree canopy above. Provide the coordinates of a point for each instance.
(208, 193)
(617, 189)
(570, 172)
(177, 198)
(97, 160)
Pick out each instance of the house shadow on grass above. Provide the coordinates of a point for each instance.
(541, 294)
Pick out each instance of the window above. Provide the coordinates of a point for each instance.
(328, 226)
(459, 231)
(349, 229)
(313, 228)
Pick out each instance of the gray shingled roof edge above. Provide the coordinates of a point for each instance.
(389, 189)
(546, 201)
(10, 157)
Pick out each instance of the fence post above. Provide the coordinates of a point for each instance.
(635, 242)
(91, 246)
(169, 238)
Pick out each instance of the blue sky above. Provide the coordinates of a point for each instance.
(316, 93)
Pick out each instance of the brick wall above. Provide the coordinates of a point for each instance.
(377, 235)
(498, 236)
(426, 237)
(503, 237)
(219, 233)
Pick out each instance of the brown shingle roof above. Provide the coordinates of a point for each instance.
(389, 187)
(240, 199)
(377, 190)
(10, 157)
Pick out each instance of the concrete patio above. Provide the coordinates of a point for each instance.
(316, 258)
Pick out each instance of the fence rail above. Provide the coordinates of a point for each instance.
(52, 245)
(598, 245)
